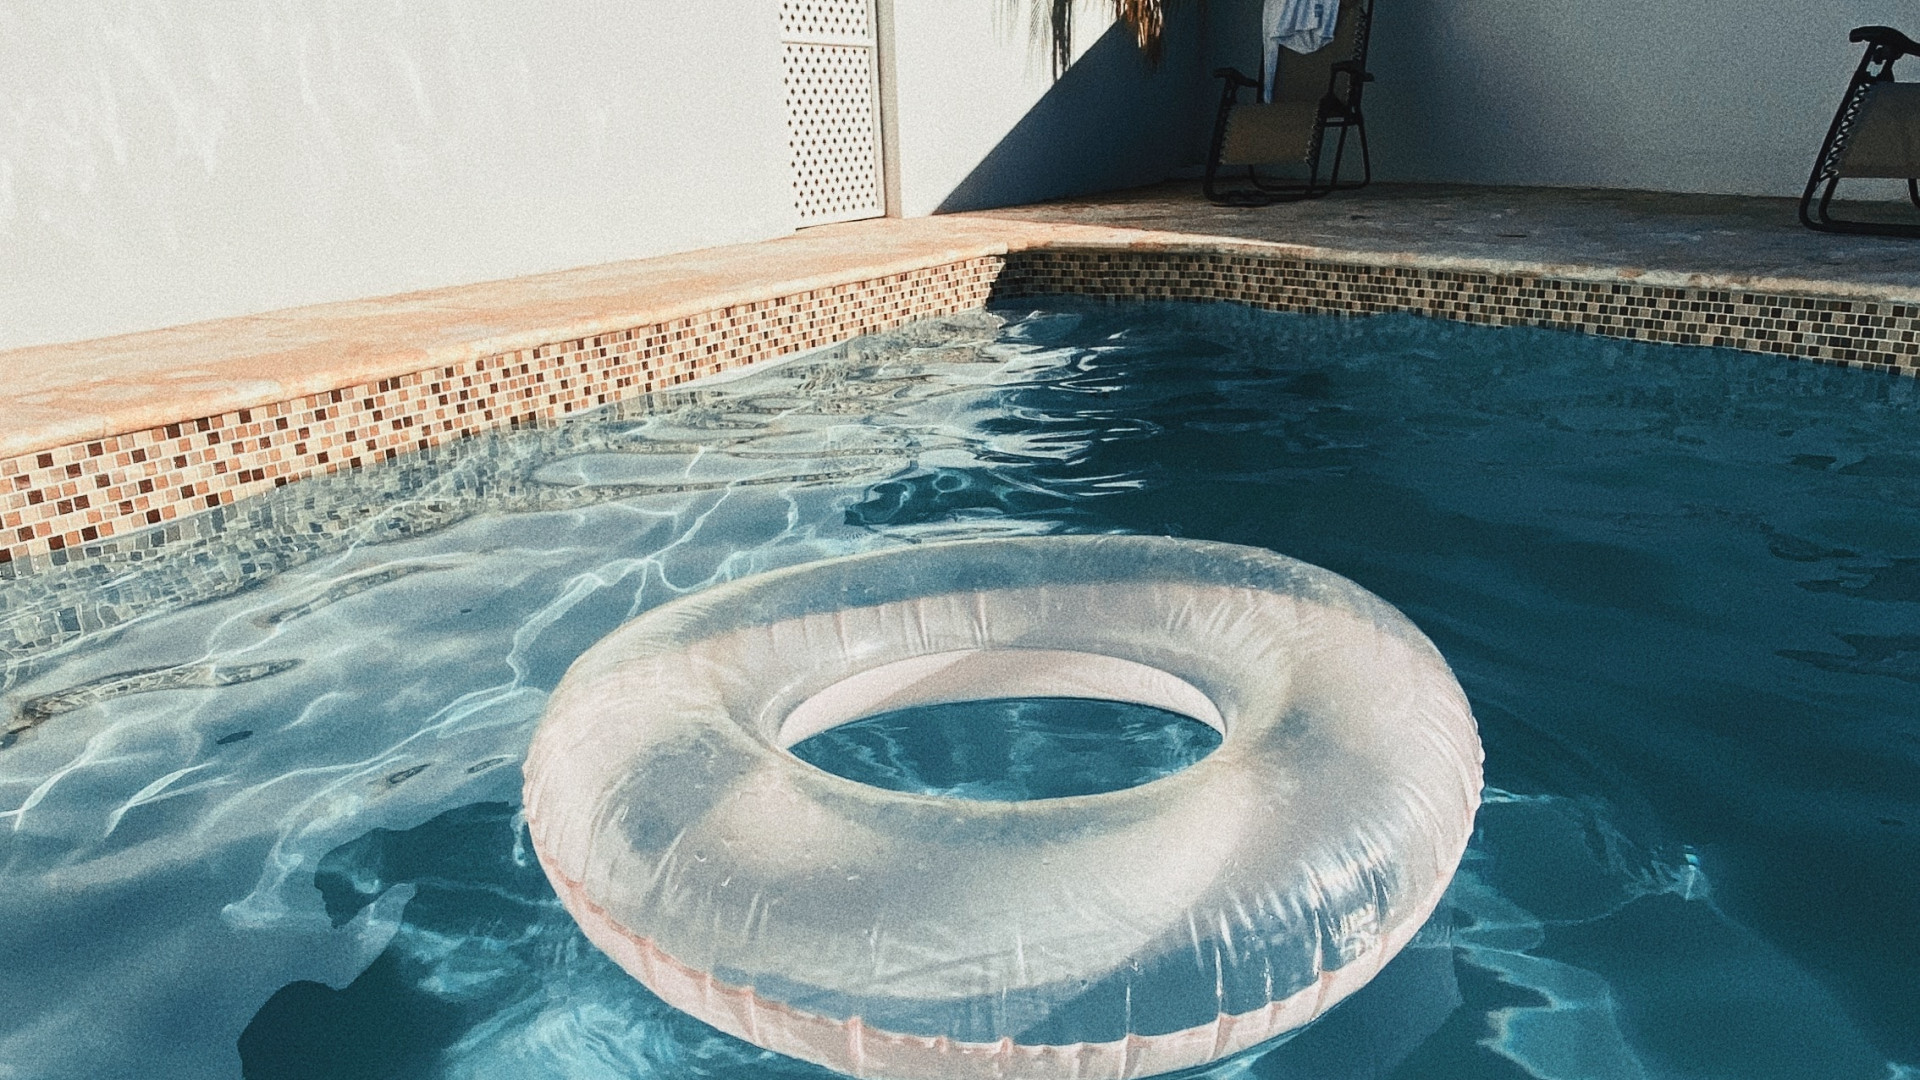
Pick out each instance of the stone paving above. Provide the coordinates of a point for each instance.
(1743, 241)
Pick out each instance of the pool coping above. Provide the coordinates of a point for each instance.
(117, 435)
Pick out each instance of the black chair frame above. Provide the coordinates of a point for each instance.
(1339, 108)
(1884, 46)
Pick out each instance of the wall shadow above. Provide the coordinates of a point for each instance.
(1111, 121)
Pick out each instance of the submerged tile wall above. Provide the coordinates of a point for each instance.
(55, 503)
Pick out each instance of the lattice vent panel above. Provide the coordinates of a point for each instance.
(825, 20)
(832, 131)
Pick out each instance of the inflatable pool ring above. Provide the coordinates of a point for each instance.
(895, 934)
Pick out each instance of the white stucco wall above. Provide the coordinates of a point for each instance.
(176, 160)
(1729, 96)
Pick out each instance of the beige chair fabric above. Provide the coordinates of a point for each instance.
(1304, 76)
(1886, 137)
(1282, 131)
(1266, 134)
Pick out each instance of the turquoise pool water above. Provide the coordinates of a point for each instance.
(1012, 749)
(265, 826)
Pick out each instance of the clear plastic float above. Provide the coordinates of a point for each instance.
(900, 935)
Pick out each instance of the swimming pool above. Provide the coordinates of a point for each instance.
(267, 826)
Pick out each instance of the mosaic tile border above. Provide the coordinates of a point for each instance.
(1870, 334)
(54, 503)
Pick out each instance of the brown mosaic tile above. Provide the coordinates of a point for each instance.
(63, 499)
(1876, 335)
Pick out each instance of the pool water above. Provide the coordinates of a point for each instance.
(258, 787)
(1011, 749)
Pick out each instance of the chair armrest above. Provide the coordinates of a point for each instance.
(1348, 104)
(1233, 77)
(1885, 37)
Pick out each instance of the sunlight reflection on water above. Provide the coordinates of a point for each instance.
(1676, 584)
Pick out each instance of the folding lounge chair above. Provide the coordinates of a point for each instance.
(1876, 133)
(1312, 93)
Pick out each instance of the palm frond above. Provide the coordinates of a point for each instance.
(1147, 19)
